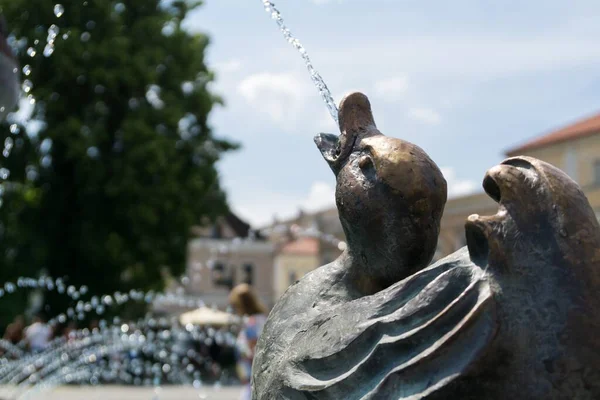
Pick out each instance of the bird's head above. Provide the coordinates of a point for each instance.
(389, 193)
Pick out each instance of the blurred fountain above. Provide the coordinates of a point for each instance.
(151, 351)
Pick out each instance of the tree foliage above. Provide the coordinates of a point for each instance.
(120, 163)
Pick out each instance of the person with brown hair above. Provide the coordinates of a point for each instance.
(14, 331)
(246, 303)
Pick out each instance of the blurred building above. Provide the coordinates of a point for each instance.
(574, 148)
(298, 255)
(224, 254)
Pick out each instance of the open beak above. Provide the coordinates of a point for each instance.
(355, 122)
(329, 146)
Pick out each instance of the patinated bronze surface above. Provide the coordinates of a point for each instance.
(514, 315)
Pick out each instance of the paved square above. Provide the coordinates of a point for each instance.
(133, 393)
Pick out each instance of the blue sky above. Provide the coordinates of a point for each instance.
(465, 80)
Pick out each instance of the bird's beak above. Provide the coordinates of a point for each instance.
(355, 122)
(328, 144)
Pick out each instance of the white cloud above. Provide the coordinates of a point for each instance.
(425, 115)
(391, 88)
(280, 96)
(321, 195)
(458, 187)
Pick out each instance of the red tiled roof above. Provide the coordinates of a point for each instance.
(585, 127)
(304, 246)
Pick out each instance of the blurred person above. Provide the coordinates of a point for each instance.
(9, 75)
(38, 334)
(14, 331)
(246, 304)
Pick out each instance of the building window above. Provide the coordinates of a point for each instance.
(222, 276)
(248, 273)
(597, 173)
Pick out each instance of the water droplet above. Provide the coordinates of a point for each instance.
(187, 87)
(93, 152)
(47, 162)
(27, 70)
(90, 25)
(120, 7)
(27, 86)
(65, 36)
(48, 50)
(169, 28)
(31, 52)
(14, 129)
(53, 32)
(59, 10)
(85, 37)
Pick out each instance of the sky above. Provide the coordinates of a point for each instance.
(465, 80)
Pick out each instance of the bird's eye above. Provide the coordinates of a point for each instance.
(365, 162)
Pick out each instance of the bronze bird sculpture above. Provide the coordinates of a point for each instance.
(515, 314)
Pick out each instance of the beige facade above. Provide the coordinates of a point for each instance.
(293, 261)
(296, 256)
(216, 265)
(452, 232)
(221, 255)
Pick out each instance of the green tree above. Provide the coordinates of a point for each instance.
(104, 187)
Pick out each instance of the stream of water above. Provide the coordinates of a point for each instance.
(314, 74)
